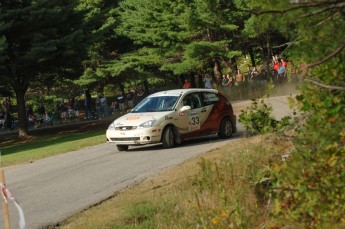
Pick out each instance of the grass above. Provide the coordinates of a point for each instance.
(219, 190)
(43, 145)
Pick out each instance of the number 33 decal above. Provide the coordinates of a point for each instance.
(195, 121)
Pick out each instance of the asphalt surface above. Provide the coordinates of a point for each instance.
(52, 189)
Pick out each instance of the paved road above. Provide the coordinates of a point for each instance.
(52, 189)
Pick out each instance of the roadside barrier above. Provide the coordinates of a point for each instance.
(6, 194)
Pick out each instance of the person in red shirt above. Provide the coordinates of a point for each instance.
(186, 84)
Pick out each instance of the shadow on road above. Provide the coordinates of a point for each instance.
(190, 142)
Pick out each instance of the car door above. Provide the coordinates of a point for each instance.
(190, 120)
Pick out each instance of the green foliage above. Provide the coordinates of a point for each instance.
(258, 118)
(310, 185)
(44, 42)
(187, 36)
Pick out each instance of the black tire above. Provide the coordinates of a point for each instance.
(168, 138)
(122, 147)
(226, 128)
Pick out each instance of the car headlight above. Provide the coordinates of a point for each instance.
(111, 126)
(147, 124)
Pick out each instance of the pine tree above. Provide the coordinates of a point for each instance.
(41, 41)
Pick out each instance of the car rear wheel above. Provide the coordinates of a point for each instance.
(226, 128)
(168, 138)
(122, 147)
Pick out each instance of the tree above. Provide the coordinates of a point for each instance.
(40, 41)
(310, 186)
(182, 37)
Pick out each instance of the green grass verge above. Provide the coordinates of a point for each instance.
(46, 146)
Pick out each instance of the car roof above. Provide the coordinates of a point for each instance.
(178, 92)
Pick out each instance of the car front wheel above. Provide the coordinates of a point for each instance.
(122, 147)
(226, 128)
(168, 137)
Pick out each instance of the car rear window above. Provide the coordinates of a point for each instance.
(210, 98)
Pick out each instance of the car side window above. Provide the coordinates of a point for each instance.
(210, 98)
(192, 100)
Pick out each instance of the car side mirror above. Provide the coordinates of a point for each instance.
(185, 108)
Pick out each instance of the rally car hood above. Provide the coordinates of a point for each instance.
(135, 119)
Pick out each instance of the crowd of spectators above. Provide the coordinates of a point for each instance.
(253, 82)
(6, 118)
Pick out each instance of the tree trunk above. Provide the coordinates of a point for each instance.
(217, 72)
(268, 57)
(192, 80)
(200, 82)
(182, 80)
(252, 58)
(22, 119)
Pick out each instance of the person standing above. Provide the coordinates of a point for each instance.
(186, 84)
(254, 81)
(239, 80)
(208, 82)
(104, 108)
(225, 82)
(281, 73)
(122, 105)
(130, 97)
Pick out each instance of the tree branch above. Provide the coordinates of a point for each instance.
(285, 44)
(327, 57)
(329, 87)
(333, 6)
(300, 6)
(327, 19)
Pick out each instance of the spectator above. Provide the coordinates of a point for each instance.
(285, 79)
(48, 119)
(115, 106)
(275, 71)
(255, 82)
(41, 114)
(230, 80)
(104, 108)
(208, 82)
(186, 84)
(63, 110)
(32, 121)
(130, 97)
(239, 80)
(281, 73)
(225, 81)
(98, 106)
(139, 94)
(122, 105)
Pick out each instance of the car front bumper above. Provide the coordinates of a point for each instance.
(134, 137)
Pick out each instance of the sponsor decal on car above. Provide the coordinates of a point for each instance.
(132, 118)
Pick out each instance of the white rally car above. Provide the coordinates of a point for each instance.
(173, 116)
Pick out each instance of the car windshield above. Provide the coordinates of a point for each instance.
(156, 104)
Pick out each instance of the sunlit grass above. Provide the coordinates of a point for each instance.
(41, 147)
